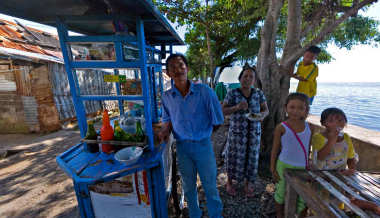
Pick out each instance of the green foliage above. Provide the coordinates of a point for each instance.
(235, 26)
(356, 30)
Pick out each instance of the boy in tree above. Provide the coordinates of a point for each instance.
(307, 73)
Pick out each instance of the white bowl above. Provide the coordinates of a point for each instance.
(129, 155)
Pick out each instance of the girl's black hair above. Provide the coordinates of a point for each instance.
(332, 111)
(299, 96)
(172, 56)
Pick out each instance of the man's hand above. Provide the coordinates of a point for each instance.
(164, 133)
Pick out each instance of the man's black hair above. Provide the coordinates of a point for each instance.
(332, 111)
(314, 49)
(172, 56)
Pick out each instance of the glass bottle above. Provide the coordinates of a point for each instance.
(139, 132)
(91, 135)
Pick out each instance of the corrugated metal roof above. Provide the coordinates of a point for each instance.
(157, 29)
(17, 40)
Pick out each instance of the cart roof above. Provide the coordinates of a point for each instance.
(157, 29)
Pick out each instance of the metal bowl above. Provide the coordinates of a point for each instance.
(129, 155)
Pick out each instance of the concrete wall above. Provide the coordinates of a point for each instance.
(366, 143)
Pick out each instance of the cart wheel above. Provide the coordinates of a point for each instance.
(177, 190)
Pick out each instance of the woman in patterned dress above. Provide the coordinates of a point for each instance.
(243, 142)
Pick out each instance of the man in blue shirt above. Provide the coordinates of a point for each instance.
(191, 111)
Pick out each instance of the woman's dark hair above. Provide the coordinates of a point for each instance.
(172, 56)
(247, 67)
(332, 111)
(298, 96)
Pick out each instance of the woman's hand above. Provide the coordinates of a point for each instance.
(243, 105)
(275, 175)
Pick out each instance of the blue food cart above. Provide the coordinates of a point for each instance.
(128, 34)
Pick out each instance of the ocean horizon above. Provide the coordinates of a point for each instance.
(359, 100)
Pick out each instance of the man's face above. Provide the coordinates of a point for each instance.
(177, 69)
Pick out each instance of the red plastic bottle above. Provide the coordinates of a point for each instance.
(106, 132)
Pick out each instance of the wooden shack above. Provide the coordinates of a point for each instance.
(34, 89)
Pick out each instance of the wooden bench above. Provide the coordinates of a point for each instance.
(328, 193)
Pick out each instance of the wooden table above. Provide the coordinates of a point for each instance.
(325, 191)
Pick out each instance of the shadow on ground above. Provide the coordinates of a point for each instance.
(32, 184)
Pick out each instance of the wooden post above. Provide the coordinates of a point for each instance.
(290, 201)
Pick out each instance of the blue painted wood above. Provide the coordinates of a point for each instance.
(89, 168)
(118, 92)
(78, 104)
(84, 212)
(107, 97)
(161, 83)
(105, 64)
(111, 38)
(95, 167)
(145, 81)
(154, 95)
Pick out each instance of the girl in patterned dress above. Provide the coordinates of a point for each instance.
(243, 141)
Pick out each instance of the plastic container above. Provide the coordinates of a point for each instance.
(129, 155)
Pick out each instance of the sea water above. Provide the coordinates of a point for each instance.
(360, 101)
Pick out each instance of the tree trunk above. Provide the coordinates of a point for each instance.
(268, 68)
(275, 84)
(210, 56)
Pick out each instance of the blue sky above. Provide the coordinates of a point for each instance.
(360, 64)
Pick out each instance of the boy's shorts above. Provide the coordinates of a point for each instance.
(279, 195)
(311, 100)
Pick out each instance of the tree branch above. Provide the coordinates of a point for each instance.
(328, 28)
(293, 31)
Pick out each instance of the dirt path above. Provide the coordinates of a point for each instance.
(32, 184)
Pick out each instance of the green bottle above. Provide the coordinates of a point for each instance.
(115, 124)
(139, 132)
(91, 135)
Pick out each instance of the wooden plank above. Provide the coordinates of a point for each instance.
(339, 195)
(364, 183)
(362, 190)
(370, 179)
(124, 143)
(290, 201)
(309, 195)
(343, 185)
(338, 212)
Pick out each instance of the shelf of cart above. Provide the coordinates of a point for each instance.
(108, 97)
(105, 64)
(85, 167)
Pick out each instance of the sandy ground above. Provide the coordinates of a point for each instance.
(32, 184)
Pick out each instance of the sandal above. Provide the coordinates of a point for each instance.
(230, 190)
